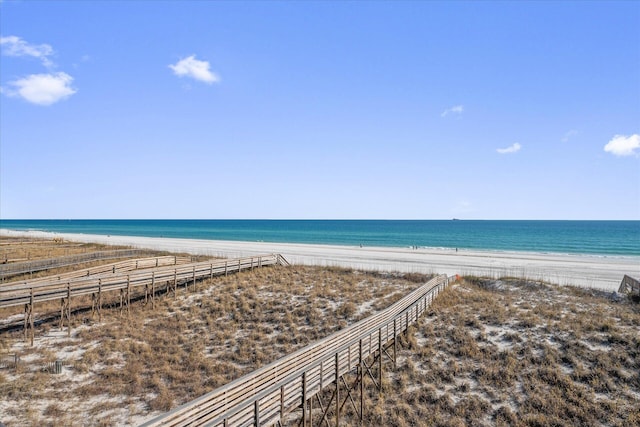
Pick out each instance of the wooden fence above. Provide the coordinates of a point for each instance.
(265, 396)
(13, 269)
(629, 284)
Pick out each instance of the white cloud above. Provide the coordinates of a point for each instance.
(621, 145)
(43, 89)
(569, 135)
(191, 67)
(456, 109)
(15, 46)
(511, 149)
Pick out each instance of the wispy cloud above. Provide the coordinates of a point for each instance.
(511, 149)
(16, 46)
(570, 134)
(621, 145)
(194, 68)
(456, 109)
(42, 89)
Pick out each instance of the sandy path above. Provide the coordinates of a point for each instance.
(581, 270)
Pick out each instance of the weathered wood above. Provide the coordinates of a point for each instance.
(235, 400)
(13, 269)
(30, 292)
(629, 284)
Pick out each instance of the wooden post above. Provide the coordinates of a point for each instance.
(31, 302)
(337, 392)
(256, 411)
(100, 300)
(380, 359)
(304, 399)
(194, 277)
(406, 326)
(175, 283)
(211, 272)
(395, 343)
(68, 309)
(61, 324)
(128, 294)
(361, 368)
(281, 403)
(226, 264)
(153, 290)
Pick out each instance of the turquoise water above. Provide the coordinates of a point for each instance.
(576, 237)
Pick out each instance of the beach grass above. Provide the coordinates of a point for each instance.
(487, 352)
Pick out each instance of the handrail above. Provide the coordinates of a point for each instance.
(120, 266)
(270, 392)
(28, 294)
(13, 269)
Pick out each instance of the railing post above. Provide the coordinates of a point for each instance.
(304, 399)
(153, 290)
(395, 342)
(361, 384)
(69, 309)
(337, 391)
(380, 359)
(281, 403)
(256, 411)
(100, 300)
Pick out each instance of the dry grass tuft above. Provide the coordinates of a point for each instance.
(156, 360)
(516, 352)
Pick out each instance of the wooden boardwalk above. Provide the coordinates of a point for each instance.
(266, 396)
(121, 266)
(149, 280)
(16, 268)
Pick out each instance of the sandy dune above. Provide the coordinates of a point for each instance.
(581, 270)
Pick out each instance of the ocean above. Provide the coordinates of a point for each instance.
(569, 237)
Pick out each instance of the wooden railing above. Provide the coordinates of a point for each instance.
(13, 269)
(30, 293)
(116, 267)
(629, 284)
(266, 395)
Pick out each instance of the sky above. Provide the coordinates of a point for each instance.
(320, 110)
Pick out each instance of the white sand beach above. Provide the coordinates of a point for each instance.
(580, 270)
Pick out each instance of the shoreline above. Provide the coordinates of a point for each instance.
(602, 272)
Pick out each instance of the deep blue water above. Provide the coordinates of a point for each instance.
(579, 237)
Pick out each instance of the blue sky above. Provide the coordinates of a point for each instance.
(392, 110)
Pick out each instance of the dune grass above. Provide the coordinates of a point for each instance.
(126, 369)
(487, 352)
(517, 352)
